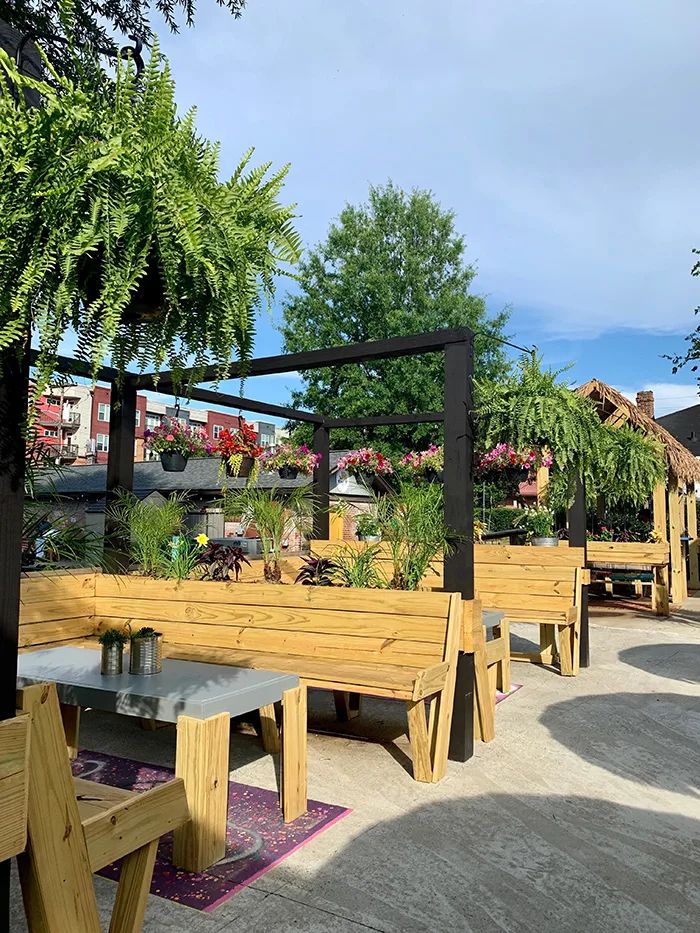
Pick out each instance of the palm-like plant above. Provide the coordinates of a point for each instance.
(274, 513)
(110, 205)
(148, 528)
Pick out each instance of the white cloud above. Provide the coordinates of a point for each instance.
(668, 396)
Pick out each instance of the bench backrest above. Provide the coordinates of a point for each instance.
(377, 626)
(628, 553)
(56, 606)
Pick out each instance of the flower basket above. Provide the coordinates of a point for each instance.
(290, 461)
(365, 464)
(173, 461)
(238, 466)
(238, 450)
(288, 472)
(425, 464)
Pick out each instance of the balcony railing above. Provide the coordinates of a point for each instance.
(63, 451)
(53, 419)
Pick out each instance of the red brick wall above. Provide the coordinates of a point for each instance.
(232, 422)
(103, 394)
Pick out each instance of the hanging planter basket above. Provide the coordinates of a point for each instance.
(240, 469)
(433, 476)
(173, 461)
(288, 472)
(148, 301)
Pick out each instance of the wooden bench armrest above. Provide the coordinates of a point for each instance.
(133, 823)
(430, 681)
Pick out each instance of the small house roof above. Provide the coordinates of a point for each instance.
(614, 407)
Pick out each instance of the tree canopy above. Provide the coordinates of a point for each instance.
(390, 267)
(94, 22)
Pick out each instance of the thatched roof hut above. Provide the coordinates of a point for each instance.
(614, 408)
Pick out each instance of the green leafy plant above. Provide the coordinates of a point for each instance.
(274, 513)
(537, 521)
(413, 527)
(148, 528)
(113, 636)
(113, 222)
(317, 571)
(146, 632)
(183, 558)
(502, 518)
(358, 567)
(222, 562)
(367, 525)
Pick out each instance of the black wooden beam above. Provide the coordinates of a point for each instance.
(247, 404)
(322, 482)
(120, 464)
(14, 379)
(319, 359)
(426, 417)
(71, 367)
(459, 518)
(578, 538)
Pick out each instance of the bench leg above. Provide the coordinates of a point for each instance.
(133, 890)
(418, 735)
(294, 778)
(503, 679)
(484, 699)
(548, 644)
(568, 644)
(659, 591)
(269, 731)
(347, 705)
(201, 760)
(70, 715)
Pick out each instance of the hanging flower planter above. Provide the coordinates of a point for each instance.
(290, 461)
(365, 464)
(147, 303)
(425, 465)
(239, 450)
(176, 443)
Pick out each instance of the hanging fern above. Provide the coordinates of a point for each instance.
(534, 408)
(104, 190)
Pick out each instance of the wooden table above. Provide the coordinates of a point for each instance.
(201, 699)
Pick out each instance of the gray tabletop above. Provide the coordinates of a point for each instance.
(492, 617)
(183, 688)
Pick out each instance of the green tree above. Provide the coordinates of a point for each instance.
(93, 22)
(391, 267)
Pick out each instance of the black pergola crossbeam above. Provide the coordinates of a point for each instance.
(247, 404)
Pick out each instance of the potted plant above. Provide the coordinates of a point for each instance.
(367, 528)
(176, 443)
(112, 641)
(239, 449)
(131, 239)
(222, 562)
(317, 571)
(538, 521)
(425, 464)
(366, 463)
(290, 461)
(146, 655)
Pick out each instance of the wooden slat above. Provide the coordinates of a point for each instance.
(39, 587)
(374, 625)
(545, 557)
(525, 602)
(563, 588)
(521, 572)
(46, 633)
(314, 645)
(430, 680)
(55, 608)
(271, 595)
(14, 785)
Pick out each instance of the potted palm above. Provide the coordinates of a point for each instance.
(130, 239)
(176, 443)
(290, 461)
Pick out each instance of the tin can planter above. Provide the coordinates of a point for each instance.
(545, 542)
(112, 659)
(173, 461)
(371, 539)
(288, 472)
(146, 655)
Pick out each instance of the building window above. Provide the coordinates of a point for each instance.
(50, 432)
(103, 411)
(216, 431)
(102, 443)
(138, 418)
(152, 422)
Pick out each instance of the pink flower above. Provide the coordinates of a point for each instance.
(169, 437)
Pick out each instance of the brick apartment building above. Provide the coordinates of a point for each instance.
(73, 423)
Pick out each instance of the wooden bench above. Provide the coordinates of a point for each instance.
(369, 642)
(542, 586)
(76, 827)
(637, 556)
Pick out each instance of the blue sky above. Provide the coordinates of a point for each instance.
(562, 134)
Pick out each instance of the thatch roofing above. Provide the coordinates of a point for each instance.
(614, 407)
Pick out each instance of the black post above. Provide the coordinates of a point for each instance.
(120, 462)
(459, 517)
(322, 483)
(14, 379)
(577, 538)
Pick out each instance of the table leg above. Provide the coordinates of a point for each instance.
(293, 793)
(201, 760)
(71, 726)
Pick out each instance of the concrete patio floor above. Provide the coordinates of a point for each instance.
(583, 815)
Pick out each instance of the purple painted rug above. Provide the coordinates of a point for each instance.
(504, 696)
(257, 839)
